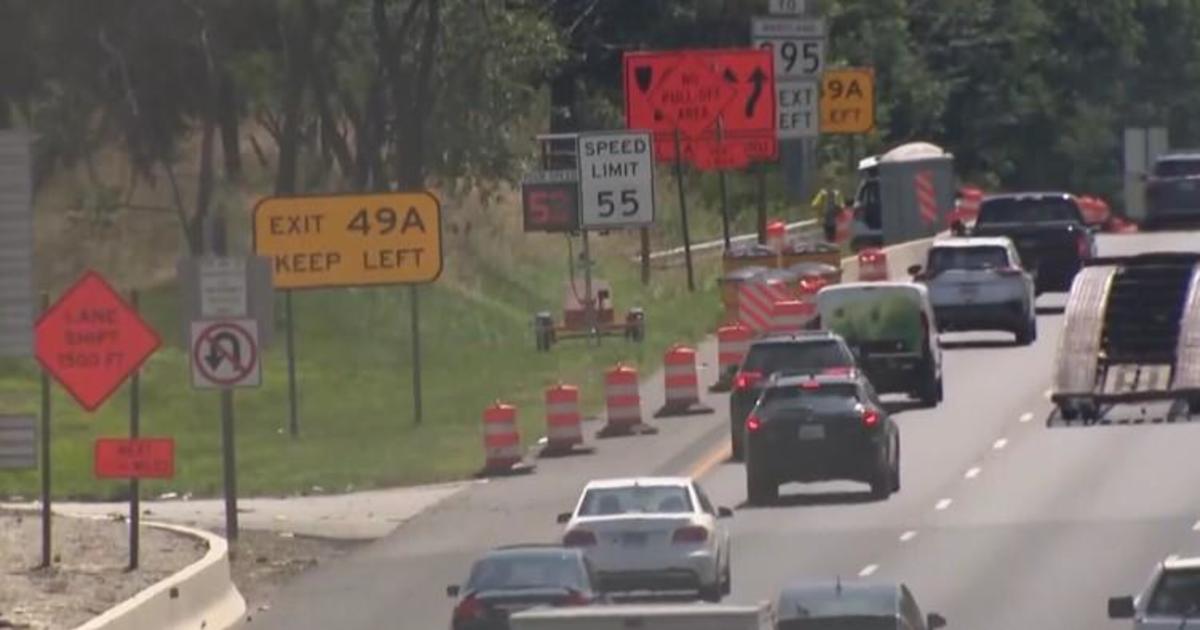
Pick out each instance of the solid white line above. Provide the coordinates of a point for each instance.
(1196, 527)
(868, 570)
(908, 535)
(943, 504)
(999, 444)
(1027, 416)
(973, 473)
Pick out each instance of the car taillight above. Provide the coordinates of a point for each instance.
(746, 380)
(870, 417)
(810, 385)
(753, 423)
(838, 371)
(468, 609)
(575, 598)
(1082, 247)
(579, 538)
(690, 534)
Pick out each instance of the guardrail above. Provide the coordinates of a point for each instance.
(668, 257)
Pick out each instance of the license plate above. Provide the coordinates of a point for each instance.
(811, 432)
(633, 539)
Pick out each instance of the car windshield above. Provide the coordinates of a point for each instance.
(827, 398)
(819, 355)
(518, 571)
(636, 500)
(1177, 168)
(1177, 593)
(1037, 210)
(967, 258)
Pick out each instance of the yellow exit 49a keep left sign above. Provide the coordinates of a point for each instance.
(848, 100)
(350, 240)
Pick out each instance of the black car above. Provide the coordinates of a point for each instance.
(1048, 230)
(515, 578)
(1173, 192)
(819, 428)
(806, 352)
(854, 605)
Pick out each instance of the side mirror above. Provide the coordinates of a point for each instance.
(914, 270)
(724, 512)
(452, 590)
(564, 518)
(1120, 607)
(935, 621)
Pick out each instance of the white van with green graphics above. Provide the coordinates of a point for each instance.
(892, 330)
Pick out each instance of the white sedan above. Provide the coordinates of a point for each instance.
(652, 534)
(1171, 599)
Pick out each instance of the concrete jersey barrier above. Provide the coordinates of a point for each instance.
(201, 595)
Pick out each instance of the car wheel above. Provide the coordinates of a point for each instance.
(1193, 406)
(760, 488)
(727, 580)
(735, 438)
(1068, 412)
(930, 392)
(711, 593)
(896, 469)
(881, 485)
(1029, 334)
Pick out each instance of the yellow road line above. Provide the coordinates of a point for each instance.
(710, 461)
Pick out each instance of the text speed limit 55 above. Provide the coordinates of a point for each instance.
(616, 179)
(350, 240)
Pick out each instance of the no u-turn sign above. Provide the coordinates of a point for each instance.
(225, 354)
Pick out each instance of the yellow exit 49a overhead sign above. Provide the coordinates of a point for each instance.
(350, 240)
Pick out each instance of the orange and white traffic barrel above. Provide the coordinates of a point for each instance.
(733, 341)
(776, 235)
(681, 383)
(564, 423)
(872, 265)
(791, 316)
(501, 439)
(623, 402)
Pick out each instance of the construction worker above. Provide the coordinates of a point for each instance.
(828, 201)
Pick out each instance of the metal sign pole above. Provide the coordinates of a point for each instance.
(645, 255)
(589, 304)
(687, 240)
(135, 490)
(293, 410)
(416, 351)
(230, 461)
(724, 188)
(46, 529)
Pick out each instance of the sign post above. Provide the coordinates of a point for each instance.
(333, 241)
(91, 341)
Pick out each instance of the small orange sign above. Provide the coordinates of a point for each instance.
(848, 100)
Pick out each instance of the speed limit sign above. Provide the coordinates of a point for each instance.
(616, 179)
(798, 44)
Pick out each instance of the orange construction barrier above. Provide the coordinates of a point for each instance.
(623, 400)
(681, 384)
(501, 441)
(732, 343)
(872, 265)
(564, 423)
(791, 316)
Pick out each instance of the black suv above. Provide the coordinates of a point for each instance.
(513, 578)
(819, 428)
(806, 352)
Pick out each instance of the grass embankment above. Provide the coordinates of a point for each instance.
(354, 371)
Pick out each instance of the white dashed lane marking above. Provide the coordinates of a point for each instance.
(943, 504)
(1196, 527)
(908, 535)
(973, 473)
(868, 570)
(1027, 417)
(999, 444)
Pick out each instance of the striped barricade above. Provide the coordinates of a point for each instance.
(564, 423)
(502, 441)
(623, 402)
(756, 302)
(681, 384)
(733, 341)
(792, 316)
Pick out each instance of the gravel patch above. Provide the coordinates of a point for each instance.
(88, 574)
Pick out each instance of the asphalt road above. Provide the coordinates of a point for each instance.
(1003, 522)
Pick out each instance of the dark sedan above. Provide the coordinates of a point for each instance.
(512, 579)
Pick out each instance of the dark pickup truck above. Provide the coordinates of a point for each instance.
(1173, 192)
(1047, 230)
